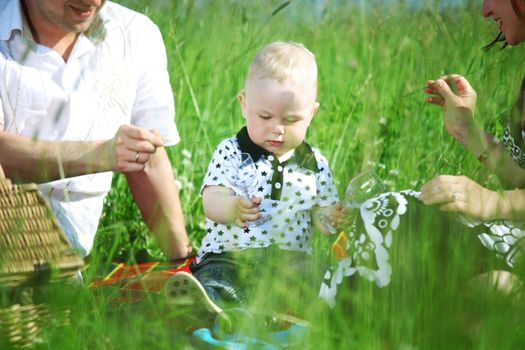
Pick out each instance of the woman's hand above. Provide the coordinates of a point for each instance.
(461, 194)
(458, 107)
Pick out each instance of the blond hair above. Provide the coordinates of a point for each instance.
(283, 60)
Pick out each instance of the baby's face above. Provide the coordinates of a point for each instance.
(278, 114)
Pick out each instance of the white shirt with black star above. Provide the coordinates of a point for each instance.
(294, 194)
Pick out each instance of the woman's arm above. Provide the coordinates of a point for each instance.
(498, 159)
(460, 124)
(461, 194)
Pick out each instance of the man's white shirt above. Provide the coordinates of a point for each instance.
(114, 76)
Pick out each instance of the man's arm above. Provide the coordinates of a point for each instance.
(28, 160)
(157, 196)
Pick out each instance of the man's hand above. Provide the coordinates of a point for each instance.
(131, 148)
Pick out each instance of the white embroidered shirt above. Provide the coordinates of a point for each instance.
(115, 74)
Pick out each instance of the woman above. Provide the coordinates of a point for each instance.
(385, 220)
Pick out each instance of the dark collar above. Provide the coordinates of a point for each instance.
(303, 155)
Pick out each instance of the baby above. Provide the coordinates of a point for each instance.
(252, 225)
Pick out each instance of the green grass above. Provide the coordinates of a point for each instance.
(372, 67)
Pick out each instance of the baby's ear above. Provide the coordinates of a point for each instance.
(242, 101)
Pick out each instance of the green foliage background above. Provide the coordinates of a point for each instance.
(373, 65)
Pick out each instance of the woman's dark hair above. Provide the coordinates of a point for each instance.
(500, 38)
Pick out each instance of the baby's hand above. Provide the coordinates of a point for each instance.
(333, 218)
(340, 215)
(247, 210)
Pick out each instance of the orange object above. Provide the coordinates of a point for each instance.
(339, 246)
(124, 275)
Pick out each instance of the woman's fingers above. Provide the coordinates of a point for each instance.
(436, 100)
(441, 197)
(452, 87)
(462, 84)
(440, 91)
(454, 206)
(458, 194)
(443, 89)
(460, 81)
(442, 189)
(441, 181)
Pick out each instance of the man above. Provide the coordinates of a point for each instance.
(84, 90)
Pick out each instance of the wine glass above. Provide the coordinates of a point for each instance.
(324, 219)
(242, 173)
(362, 187)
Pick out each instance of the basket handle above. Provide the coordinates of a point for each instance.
(2, 175)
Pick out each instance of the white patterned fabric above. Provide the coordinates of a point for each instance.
(369, 243)
(512, 146)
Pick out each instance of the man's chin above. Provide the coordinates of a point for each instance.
(78, 27)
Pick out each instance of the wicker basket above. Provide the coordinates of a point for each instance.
(34, 252)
